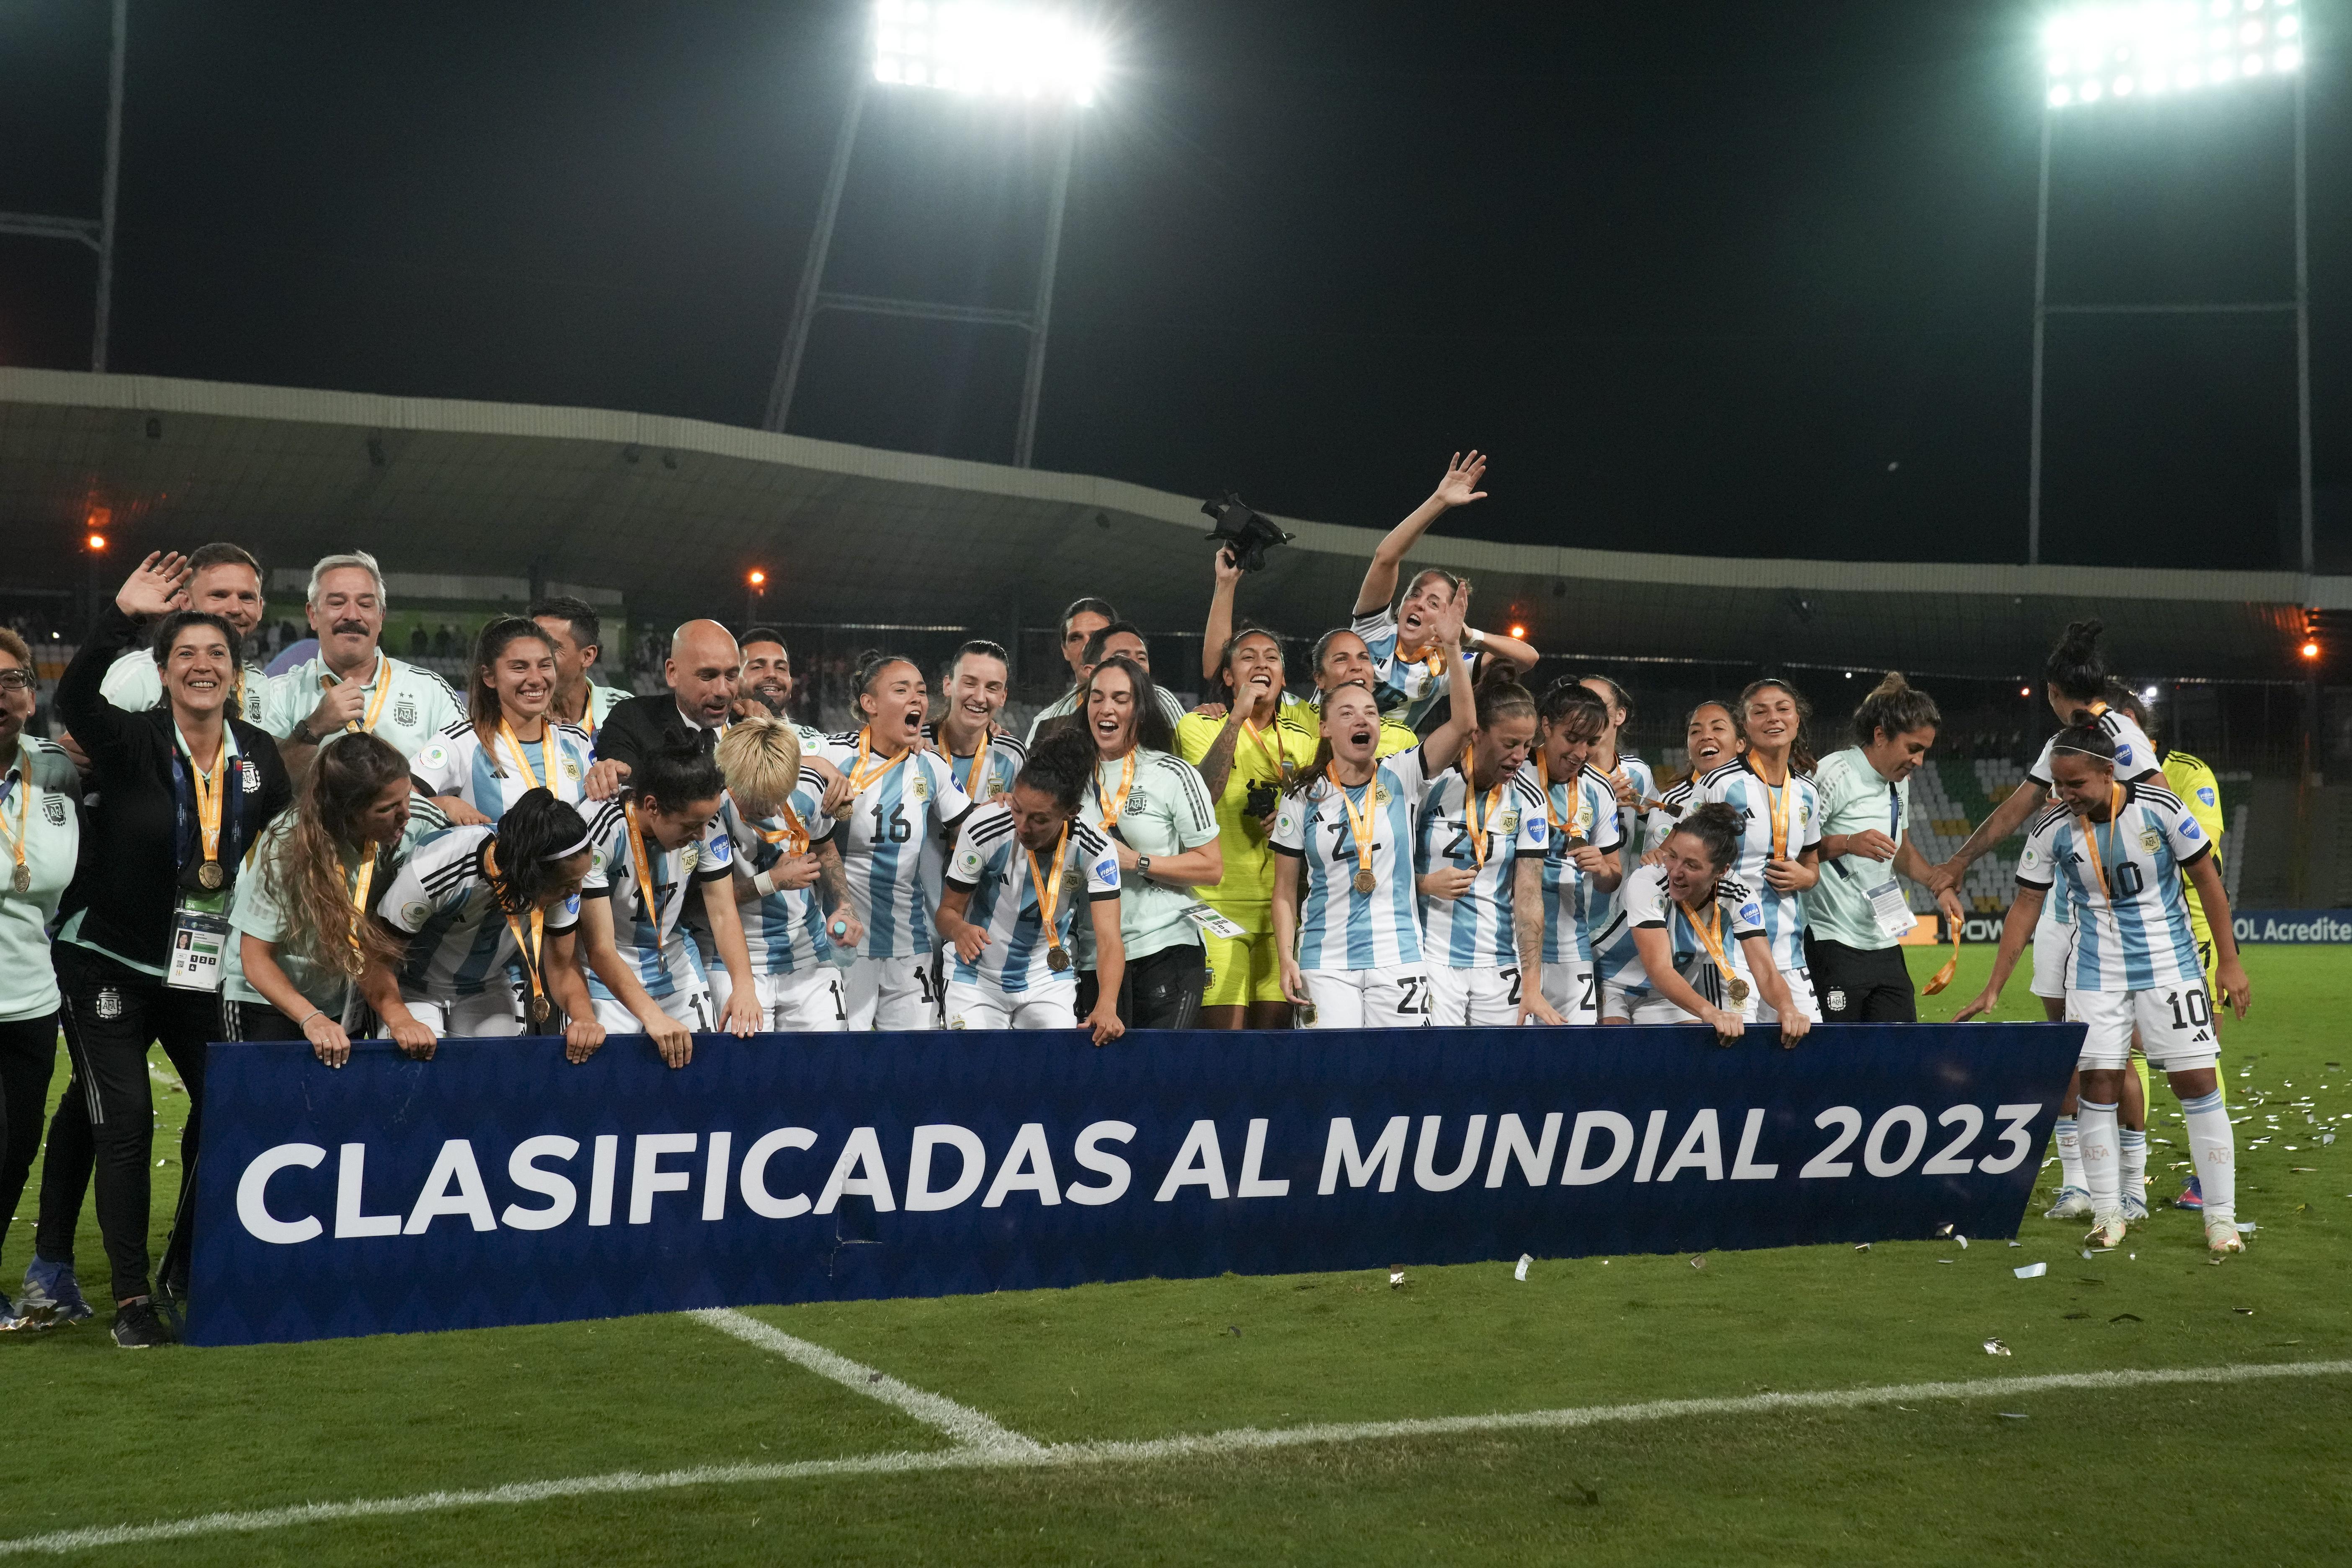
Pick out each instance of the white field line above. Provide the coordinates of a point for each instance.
(965, 1425)
(1208, 1444)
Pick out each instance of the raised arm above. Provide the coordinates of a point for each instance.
(1445, 741)
(1220, 629)
(1458, 487)
(2006, 818)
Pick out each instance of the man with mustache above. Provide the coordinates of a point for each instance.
(353, 686)
(767, 683)
(578, 633)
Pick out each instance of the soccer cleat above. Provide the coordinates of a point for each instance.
(2106, 1229)
(2193, 1196)
(138, 1326)
(8, 1317)
(2221, 1236)
(2073, 1202)
(2135, 1207)
(51, 1299)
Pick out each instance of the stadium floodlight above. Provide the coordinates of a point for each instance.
(2115, 53)
(983, 47)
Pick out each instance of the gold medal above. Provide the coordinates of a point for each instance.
(1360, 823)
(1710, 937)
(1367, 883)
(541, 1011)
(1057, 960)
(209, 789)
(1736, 991)
(208, 875)
(1049, 891)
(20, 881)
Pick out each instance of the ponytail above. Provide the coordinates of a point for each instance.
(1896, 706)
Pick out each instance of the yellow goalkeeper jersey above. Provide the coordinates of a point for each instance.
(2193, 781)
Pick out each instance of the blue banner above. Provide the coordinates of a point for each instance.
(497, 1183)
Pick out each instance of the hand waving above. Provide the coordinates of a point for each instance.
(157, 587)
(1460, 485)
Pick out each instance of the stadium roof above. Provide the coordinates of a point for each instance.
(672, 513)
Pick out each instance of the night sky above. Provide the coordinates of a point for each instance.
(1744, 278)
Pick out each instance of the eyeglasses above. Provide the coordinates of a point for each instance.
(15, 680)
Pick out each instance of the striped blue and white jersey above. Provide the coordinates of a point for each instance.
(1582, 807)
(489, 778)
(911, 803)
(1645, 902)
(1473, 931)
(1407, 689)
(1796, 807)
(2136, 756)
(2123, 880)
(988, 863)
(1339, 927)
(998, 768)
(664, 958)
(785, 930)
(459, 943)
(1632, 820)
(1659, 824)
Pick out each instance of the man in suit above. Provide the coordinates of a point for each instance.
(703, 672)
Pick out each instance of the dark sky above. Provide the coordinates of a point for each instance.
(1738, 279)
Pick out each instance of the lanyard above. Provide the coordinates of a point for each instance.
(1472, 817)
(977, 779)
(21, 879)
(209, 788)
(1359, 823)
(858, 776)
(506, 732)
(1777, 803)
(792, 837)
(360, 889)
(2091, 840)
(530, 948)
(1049, 895)
(1115, 807)
(383, 678)
(1271, 753)
(642, 867)
(1567, 824)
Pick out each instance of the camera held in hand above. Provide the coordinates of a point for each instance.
(1261, 799)
(1247, 533)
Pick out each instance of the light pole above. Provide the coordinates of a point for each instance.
(1017, 53)
(2122, 58)
(98, 234)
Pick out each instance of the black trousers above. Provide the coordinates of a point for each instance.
(106, 1122)
(1161, 992)
(1860, 985)
(255, 1021)
(28, 1050)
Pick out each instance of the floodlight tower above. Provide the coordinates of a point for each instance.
(979, 48)
(2110, 56)
(98, 233)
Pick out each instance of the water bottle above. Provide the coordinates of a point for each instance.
(837, 950)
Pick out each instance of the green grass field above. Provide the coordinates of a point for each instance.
(2230, 1467)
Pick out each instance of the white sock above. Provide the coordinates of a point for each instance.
(2101, 1177)
(2133, 1142)
(2214, 1148)
(2070, 1152)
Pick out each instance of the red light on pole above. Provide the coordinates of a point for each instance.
(97, 543)
(2310, 649)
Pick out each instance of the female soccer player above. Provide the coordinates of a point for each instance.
(660, 839)
(975, 684)
(2122, 849)
(1629, 776)
(1021, 865)
(1856, 917)
(901, 800)
(1710, 739)
(790, 889)
(1340, 658)
(1154, 809)
(1408, 658)
(1479, 851)
(1781, 813)
(1246, 758)
(469, 903)
(1687, 943)
(507, 745)
(301, 935)
(40, 838)
(183, 790)
(1581, 868)
(1347, 924)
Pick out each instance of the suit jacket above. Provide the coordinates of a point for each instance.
(636, 729)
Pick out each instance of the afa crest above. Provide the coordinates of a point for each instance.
(403, 712)
(53, 810)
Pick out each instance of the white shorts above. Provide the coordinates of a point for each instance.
(1801, 991)
(2053, 944)
(982, 1005)
(2175, 1023)
(691, 1008)
(496, 1013)
(890, 994)
(1646, 1006)
(1368, 998)
(1572, 987)
(1474, 998)
(805, 1001)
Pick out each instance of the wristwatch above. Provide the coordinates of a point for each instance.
(1143, 865)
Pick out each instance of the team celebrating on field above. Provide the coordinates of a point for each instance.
(349, 848)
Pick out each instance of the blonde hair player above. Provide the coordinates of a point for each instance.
(792, 894)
